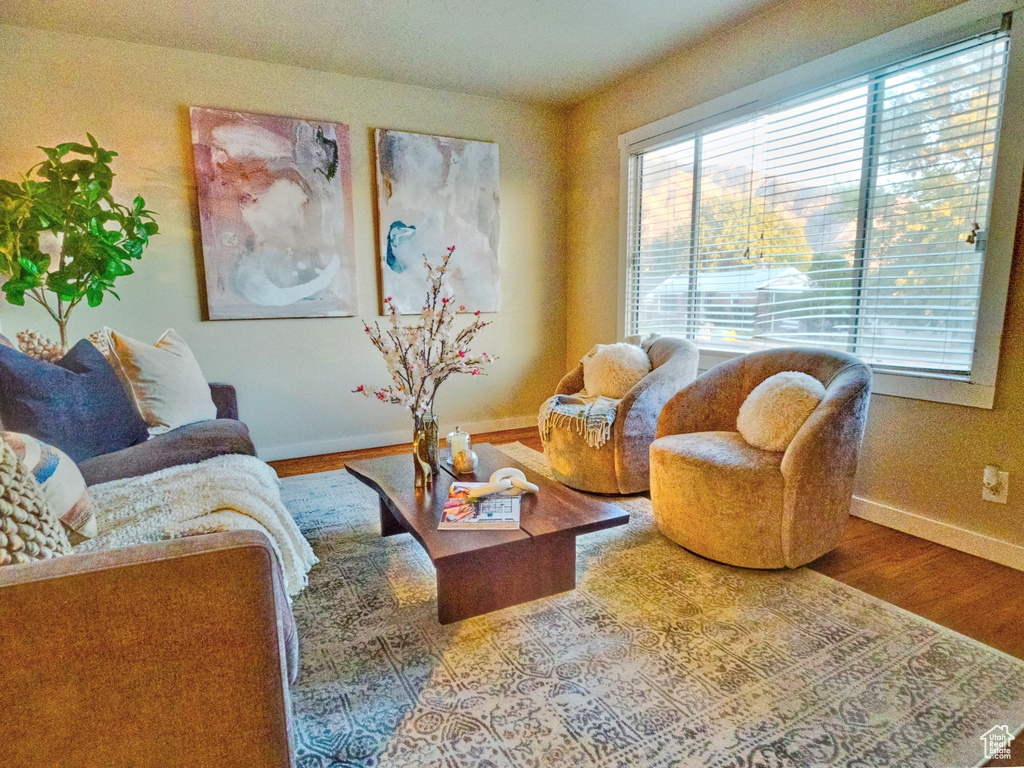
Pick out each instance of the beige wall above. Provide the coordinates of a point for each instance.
(925, 458)
(293, 376)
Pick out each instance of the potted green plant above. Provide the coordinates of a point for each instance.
(68, 195)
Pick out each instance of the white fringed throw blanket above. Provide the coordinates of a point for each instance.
(592, 416)
(225, 493)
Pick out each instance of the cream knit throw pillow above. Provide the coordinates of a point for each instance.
(776, 408)
(611, 370)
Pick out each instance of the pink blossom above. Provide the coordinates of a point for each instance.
(359, 388)
(477, 313)
(419, 355)
(451, 248)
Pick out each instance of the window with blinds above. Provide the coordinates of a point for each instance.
(853, 217)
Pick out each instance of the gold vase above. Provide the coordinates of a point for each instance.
(425, 449)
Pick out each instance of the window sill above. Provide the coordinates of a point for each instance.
(913, 386)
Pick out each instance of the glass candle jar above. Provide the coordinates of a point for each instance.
(458, 441)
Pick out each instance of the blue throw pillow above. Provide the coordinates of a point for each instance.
(77, 405)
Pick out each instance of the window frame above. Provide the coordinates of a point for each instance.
(962, 21)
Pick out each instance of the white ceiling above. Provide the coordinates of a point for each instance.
(536, 50)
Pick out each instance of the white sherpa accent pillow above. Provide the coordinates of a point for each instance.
(611, 370)
(776, 408)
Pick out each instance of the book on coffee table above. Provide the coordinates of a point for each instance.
(490, 513)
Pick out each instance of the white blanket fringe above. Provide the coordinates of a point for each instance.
(224, 493)
(590, 416)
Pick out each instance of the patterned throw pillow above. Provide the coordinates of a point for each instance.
(28, 528)
(61, 481)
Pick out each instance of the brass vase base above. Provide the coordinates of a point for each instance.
(425, 451)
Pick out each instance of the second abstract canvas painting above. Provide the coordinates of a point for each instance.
(434, 192)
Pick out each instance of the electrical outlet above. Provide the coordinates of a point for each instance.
(998, 491)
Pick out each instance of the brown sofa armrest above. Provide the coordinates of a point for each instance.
(819, 467)
(644, 402)
(226, 400)
(572, 382)
(639, 410)
(710, 403)
(154, 655)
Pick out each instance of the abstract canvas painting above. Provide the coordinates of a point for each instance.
(434, 192)
(275, 205)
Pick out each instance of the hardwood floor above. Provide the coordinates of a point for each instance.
(976, 597)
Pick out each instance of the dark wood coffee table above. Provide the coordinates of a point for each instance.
(483, 571)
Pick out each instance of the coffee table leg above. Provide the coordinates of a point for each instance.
(389, 525)
(489, 579)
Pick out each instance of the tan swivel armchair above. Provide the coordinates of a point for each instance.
(621, 465)
(728, 501)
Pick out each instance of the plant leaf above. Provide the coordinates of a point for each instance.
(15, 294)
(94, 296)
(73, 147)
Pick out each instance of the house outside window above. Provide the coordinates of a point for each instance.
(853, 216)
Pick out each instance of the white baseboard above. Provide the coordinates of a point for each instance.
(954, 537)
(356, 442)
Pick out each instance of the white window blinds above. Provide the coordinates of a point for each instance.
(852, 217)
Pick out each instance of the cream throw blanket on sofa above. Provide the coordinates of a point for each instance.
(220, 494)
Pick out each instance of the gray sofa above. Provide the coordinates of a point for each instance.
(179, 652)
(184, 445)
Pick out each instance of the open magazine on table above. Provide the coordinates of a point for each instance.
(490, 513)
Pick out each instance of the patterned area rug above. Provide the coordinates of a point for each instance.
(658, 658)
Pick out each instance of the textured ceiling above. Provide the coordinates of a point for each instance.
(536, 50)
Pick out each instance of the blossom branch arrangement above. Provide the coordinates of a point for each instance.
(422, 356)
